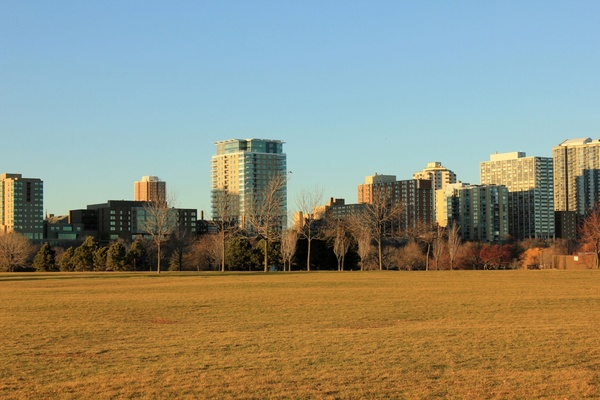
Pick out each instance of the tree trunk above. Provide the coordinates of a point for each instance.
(266, 255)
(223, 251)
(158, 254)
(380, 255)
(308, 256)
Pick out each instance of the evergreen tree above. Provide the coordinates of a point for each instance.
(136, 256)
(239, 255)
(83, 259)
(100, 259)
(274, 257)
(66, 260)
(45, 259)
(176, 261)
(116, 257)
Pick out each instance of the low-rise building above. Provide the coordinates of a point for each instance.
(58, 231)
(124, 219)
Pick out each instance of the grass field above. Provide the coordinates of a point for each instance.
(456, 335)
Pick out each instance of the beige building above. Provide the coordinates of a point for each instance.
(444, 211)
(150, 188)
(576, 175)
(22, 205)
(415, 196)
(439, 175)
(529, 181)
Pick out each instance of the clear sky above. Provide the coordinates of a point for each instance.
(96, 94)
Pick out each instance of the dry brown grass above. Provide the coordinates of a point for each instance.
(457, 335)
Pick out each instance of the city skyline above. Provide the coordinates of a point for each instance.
(98, 95)
(354, 198)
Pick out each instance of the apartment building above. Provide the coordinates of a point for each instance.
(337, 208)
(529, 181)
(479, 210)
(241, 171)
(439, 175)
(576, 175)
(22, 205)
(414, 195)
(150, 188)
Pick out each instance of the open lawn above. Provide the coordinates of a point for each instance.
(457, 335)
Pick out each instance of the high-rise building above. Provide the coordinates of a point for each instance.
(482, 213)
(576, 175)
(150, 188)
(439, 175)
(529, 181)
(479, 210)
(446, 204)
(414, 195)
(22, 205)
(241, 171)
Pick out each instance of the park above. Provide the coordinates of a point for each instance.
(329, 335)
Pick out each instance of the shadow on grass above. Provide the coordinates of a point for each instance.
(36, 276)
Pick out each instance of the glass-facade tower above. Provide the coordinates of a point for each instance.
(240, 170)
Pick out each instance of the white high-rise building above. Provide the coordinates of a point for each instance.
(529, 181)
(242, 169)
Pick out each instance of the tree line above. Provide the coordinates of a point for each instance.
(375, 237)
(333, 246)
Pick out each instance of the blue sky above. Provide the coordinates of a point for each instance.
(96, 94)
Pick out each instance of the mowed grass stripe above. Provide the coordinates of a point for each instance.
(461, 334)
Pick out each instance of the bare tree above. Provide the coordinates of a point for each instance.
(289, 242)
(564, 246)
(225, 206)
(382, 218)
(454, 242)
(438, 246)
(201, 255)
(160, 221)
(590, 231)
(307, 202)
(214, 249)
(363, 241)
(428, 237)
(410, 257)
(15, 249)
(266, 211)
(341, 241)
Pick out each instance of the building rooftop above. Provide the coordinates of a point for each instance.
(248, 140)
(575, 142)
(507, 156)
